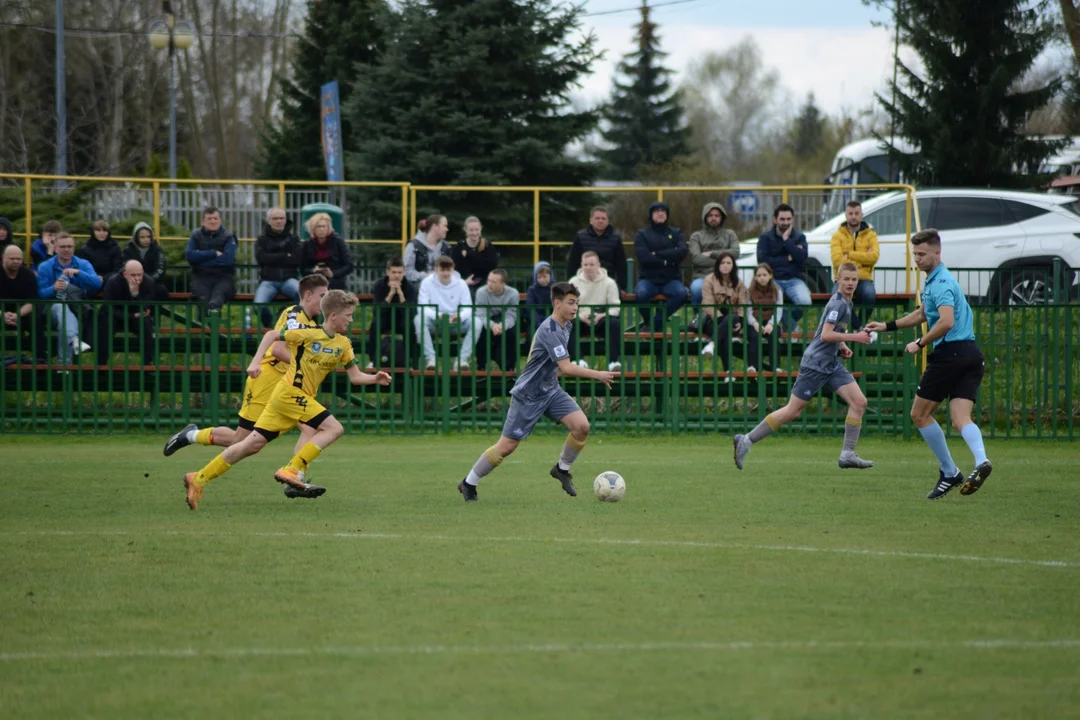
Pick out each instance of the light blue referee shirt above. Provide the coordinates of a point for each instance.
(942, 289)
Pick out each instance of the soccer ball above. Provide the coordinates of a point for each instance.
(609, 486)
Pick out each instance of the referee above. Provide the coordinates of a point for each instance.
(954, 369)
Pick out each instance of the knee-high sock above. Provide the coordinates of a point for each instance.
(305, 457)
(973, 437)
(570, 450)
(488, 461)
(205, 436)
(764, 429)
(852, 426)
(935, 438)
(213, 469)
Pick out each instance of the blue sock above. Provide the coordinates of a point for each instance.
(935, 438)
(974, 439)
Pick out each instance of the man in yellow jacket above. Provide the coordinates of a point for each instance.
(856, 242)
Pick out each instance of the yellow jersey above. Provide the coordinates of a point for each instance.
(315, 355)
(293, 318)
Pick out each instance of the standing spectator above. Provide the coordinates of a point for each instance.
(538, 295)
(391, 294)
(660, 248)
(102, 251)
(765, 315)
(706, 245)
(599, 237)
(144, 248)
(784, 249)
(18, 290)
(724, 298)
(44, 247)
(126, 308)
(474, 257)
(70, 280)
(211, 252)
(495, 314)
(326, 252)
(6, 236)
(857, 242)
(277, 251)
(598, 309)
(424, 250)
(450, 296)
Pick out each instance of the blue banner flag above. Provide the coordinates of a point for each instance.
(330, 105)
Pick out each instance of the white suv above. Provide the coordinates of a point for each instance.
(1014, 238)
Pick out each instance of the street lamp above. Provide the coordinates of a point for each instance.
(171, 33)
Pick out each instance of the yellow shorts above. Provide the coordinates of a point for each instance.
(288, 407)
(257, 393)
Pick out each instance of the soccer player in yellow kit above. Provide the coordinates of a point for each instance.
(318, 351)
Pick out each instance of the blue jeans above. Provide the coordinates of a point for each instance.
(795, 293)
(268, 290)
(695, 290)
(864, 299)
(676, 298)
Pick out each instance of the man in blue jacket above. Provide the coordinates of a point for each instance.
(784, 249)
(660, 249)
(211, 252)
(70, 280)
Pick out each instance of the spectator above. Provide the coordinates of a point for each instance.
(660, 248)
(598, 313)
(126, 308)
(144, 248)
(211, 252)
(857, 242)
(390, 290)
(18, 290)
(426, 248)
(326, 252)
(450, 296)
(70, 280)
(102, 251)
(495, 315)
(277, 251)
(784, 249)
(6, 236)
(599, 237)
(474, 257)
(766, 298)
(538, 295)
(44, 247)
(724, 298)
(707, 243)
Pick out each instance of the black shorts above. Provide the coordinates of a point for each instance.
(953, 370)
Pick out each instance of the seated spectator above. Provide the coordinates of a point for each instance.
(69, 280)
(599, 237)
(18, 290)
(723, 307)
(277, 252)
(660, 249)
(598, 314)
(784, 249)
(538, 295)
(708, 242)
(211, 252)
(857, 242)
(392, 295)
(44, 247)
(422, 252)
(6, 236)
(326, 252)
(126, 308)
(495, 316)
(764, 294)
(144, 248)
(450, 295)
(102, 251)
(474, 257)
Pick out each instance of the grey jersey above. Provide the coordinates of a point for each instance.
(540, 376)
(820, 355)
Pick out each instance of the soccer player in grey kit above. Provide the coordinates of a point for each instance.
(821, 367)
(537, 393)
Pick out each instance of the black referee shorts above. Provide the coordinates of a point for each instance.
(953, 370)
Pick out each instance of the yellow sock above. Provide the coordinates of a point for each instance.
(205, 436)
(493, 456)
(574, 443)
(213, 469)
(772, 422)
(857, 422)
(305, 457)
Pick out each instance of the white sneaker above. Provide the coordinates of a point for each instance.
(751, 370)
(370, 366)
(707, 351)
(614, 366)
(79, 346)
(462, 365)
(430, 365)
(582, 363)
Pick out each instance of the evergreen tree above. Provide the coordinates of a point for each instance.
(339, 37)
(644, 120)
(965, 113)
(809, 133)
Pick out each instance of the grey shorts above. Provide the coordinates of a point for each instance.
(523, 415)
(810, 381)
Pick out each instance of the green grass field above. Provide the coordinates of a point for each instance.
(791, 589)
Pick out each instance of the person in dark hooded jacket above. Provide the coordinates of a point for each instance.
(709, 243)
(6, 236)
(277, 251)
(44, 247)
(660, 249)
(599, 237)
(144, 248)
(102, 251)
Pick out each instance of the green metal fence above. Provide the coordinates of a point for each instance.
(192, 370)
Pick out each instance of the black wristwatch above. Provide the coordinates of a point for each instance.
(920, 343)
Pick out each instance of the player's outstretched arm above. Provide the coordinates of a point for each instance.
(358, 377)
(268, 339)
(829, 335)
(281, 351)
(912, 319)
(569, 369)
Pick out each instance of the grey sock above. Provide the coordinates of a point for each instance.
(851, 436)
(762, 431)
(568, 456)
(482, 467)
